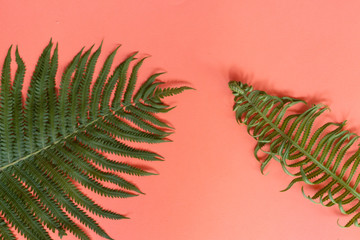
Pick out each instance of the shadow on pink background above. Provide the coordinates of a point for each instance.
(210, 186)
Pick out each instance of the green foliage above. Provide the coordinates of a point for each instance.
(326, 157)
(57, 139)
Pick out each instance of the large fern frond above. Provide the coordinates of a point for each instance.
(57, 139)
(326, 156)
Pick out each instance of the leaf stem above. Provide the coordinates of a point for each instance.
(64, 138)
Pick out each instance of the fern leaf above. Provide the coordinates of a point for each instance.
(167, 92)
(322, 157)
(85, 95)
(121, 82)
(56, 140)
(32, 110)
(6, 103)
(53, 104)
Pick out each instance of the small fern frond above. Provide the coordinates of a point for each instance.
(325, 157)
(57, 139)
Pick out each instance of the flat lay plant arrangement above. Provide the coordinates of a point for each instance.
(56, 139)
(326, 157)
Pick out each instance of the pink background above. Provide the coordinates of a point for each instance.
(210, 186)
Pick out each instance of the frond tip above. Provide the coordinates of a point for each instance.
(327, 157)
(56, 140)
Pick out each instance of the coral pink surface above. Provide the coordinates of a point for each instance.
(210, 186)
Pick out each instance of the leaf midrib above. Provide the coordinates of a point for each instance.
(64, 138)
(308, 155)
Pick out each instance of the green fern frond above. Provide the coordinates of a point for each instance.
(325, 157)
(56, 139)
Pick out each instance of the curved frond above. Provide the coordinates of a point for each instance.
(56, 140)
(326, 156)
